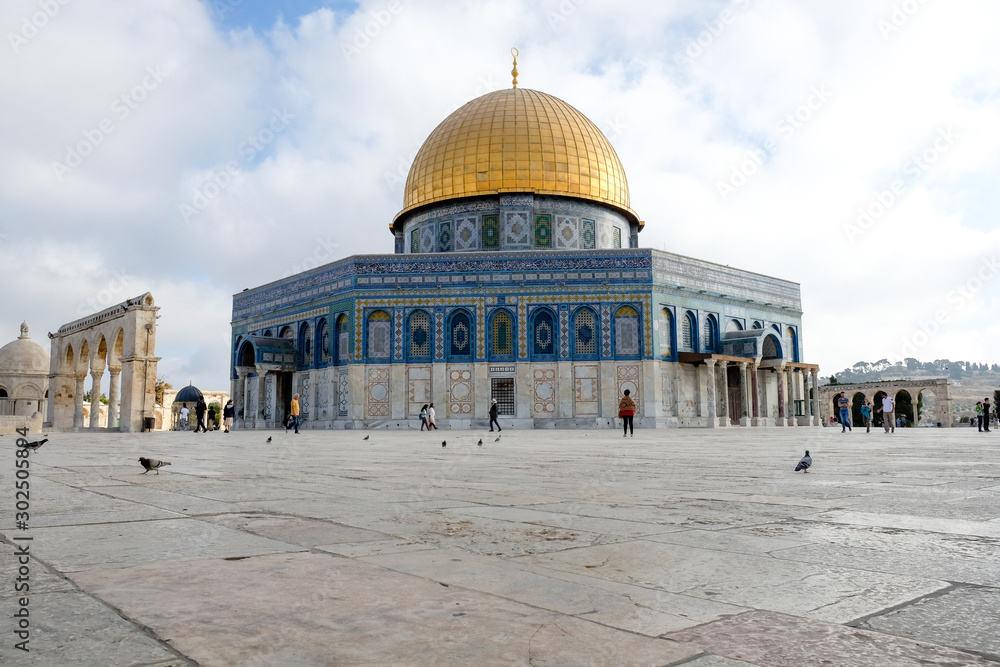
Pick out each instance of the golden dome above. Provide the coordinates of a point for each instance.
(516, 140)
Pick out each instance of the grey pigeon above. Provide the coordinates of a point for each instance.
(367, 436)
(268, 441)
(36, 444)
(804, 463)
(152, 464)
(498, 439)
(444, 443)
(480, 443)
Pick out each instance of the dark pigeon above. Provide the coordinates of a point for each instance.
(268, 441)
(36, 444)
(152, 464)
(804, 463)
(444, 443)
(366, 437)
(498, 439)
(480, 443)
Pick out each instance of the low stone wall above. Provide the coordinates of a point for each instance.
(9, 424)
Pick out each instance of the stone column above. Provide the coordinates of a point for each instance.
(258, 408)
(78, 401)
(724, 406)
(814, 386)
(790, 398)
(711, 421)
(114, 378)
(95, 398)
(240, 397)
(745, 401)
(780, 418)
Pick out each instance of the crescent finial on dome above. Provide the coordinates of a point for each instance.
(24, 331)
(514, 72)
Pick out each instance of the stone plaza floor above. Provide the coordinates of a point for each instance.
(691, 547)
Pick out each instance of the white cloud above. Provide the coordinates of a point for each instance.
(679, 127)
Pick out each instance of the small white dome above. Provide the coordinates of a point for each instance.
(23, 356)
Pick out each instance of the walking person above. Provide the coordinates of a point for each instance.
(199, 410)
(986, 414)
(845, 413)
(431, 418)
(228, 412)
(423, 418)
(888, 418)
(293, 414)
(184, 418)
(626, 410)
(866, 415)
(494, 411)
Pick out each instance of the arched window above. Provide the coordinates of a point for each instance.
(734, 325)
(710, 335)
(267, 333)
(245, 355)
(342, 349)
(460, 336)
(793, 345)
(287, 333)
(543, 336)
(379, 335)
(771, 349)
(626, 332)
(666, 326)
(585, 334)
(324, 350)
(305, 345)
(502, 335)
(688, 329)
(757, 324)
(419, 335)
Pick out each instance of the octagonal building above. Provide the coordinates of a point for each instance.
(518, 276)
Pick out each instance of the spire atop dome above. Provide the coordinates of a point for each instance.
(24, 331)
(514, 72)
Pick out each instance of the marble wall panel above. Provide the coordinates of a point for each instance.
(586, 390)
(418, 388)
(544, 393)
(461, 395)
(377, 391)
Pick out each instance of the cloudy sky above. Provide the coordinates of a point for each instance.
(194, 148)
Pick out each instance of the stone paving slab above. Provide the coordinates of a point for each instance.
(965, 617)
(341, 611)
(295, 530)
(778, 640)
(76, 548)
(828, 593)
(568, 521)
(735, 540)
(909, 522)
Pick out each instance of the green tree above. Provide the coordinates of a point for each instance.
(162, 386)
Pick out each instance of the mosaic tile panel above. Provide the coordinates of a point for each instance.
(585, 332)
(627, 332)
(466, 234)
(605, 331)
(668, 394)
(460, 338)
(418, 388)
(481, 327)
(627, 377)
(460, 393)
(543, 337)
(269, 381)
(603, 235)
(665, 330)
(502, 333)
(415, 239)
(516, 230)
(616, 233)
(544, 396)
(420, 334)
(305, 407)
(586, 390)
(438, 334)
(522, 316)
(427, 238)
(445, 239)
(377, 391)
(567, 232)
(543, 231)
(379, 335)
(588, 235)
(343, 393)
(647, 317)
(491, 232)
(398, 333)
(564, 332)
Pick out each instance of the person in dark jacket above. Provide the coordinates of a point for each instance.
(228, 413)
(199, 410)
(493, 415)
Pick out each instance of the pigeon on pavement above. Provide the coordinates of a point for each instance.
(268, 441)
(36, 444)
(480, 443)
(498, 439)
(152, 464)
(444, 443)
(367, 436)
(804, 463)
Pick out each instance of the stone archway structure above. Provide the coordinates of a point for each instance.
(940, 387)
(121, 340)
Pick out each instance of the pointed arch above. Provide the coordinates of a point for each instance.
(710, 334)
(689, 332)
(585, 328)
(461, 342)
(544, 334)
(418, 336)
(324, 350)
(378, 336)
(626, 333)
(501, 330)
(771, 348)
(793, 344)
(666, 333)
(343, 348)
